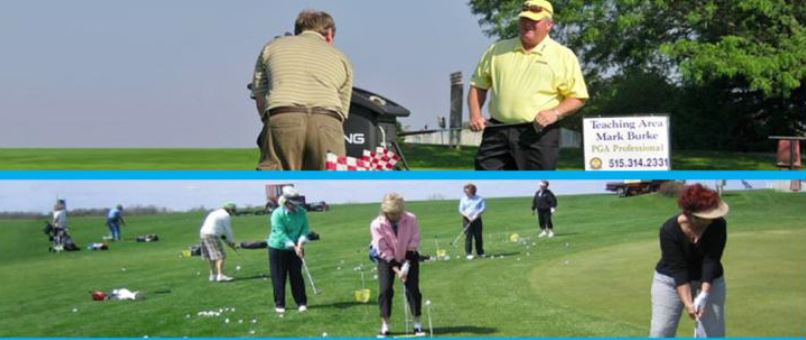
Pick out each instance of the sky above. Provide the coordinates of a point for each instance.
(39, 195)
(148, 73)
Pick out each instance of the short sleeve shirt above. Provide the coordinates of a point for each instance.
(523, 83)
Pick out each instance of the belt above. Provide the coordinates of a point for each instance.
(304, 109)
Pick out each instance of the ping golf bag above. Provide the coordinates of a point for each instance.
(60, 239)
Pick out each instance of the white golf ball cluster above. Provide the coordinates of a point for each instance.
(216, 313)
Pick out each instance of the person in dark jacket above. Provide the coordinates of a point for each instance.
(544, 204)
(689, 276)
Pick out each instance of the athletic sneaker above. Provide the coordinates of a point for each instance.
(302, 308)
(384, 334)
(212, 278)
(279, 310)
(551, 233)
(542, 234)
(418, 331)
(223, 278)
(469, 257)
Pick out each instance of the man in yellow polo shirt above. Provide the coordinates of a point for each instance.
(302, 86)
(532, 80)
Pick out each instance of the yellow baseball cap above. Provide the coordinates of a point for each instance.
(536, 10)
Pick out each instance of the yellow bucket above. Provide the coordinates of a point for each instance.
(362, 295)
(442, 252)
(514, 237)
(186, 253)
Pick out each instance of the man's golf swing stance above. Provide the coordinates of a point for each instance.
(217, 225)
(289, 230)
(471, 206)
(396, 236)
(533, 82)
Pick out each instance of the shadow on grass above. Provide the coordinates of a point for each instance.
(253, 277)
(423, 156)
(475, 330)
(503, 254)
(345, 304)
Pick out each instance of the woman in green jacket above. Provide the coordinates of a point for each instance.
(289, 230)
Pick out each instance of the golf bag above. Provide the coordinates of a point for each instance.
(312, 236)
(195, 250)
(60, 239)
(98, 246)
(148, 238)
(254, 245)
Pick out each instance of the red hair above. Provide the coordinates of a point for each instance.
(696, 198)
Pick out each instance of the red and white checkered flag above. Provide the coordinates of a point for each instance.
(381, 159)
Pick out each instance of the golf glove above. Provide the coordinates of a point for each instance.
(700, 301)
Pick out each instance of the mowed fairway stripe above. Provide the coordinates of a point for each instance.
(764, 276)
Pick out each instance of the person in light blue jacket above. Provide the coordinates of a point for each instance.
(471, 206)
(113, 220)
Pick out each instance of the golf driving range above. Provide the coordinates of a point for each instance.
(592, 279)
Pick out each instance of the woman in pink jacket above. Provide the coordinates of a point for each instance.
(396, 237)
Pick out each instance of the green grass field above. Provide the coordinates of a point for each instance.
(419, 157)
(593, 279)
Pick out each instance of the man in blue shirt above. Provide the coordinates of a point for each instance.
(113, 220)
(471, 206)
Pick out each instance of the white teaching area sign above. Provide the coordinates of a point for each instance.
(627, 143)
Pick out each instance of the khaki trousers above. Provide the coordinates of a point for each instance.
(299, 141)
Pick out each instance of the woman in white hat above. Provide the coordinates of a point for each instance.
(689, 276)
(396, 236)
(289, 233)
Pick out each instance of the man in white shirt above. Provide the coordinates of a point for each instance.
(59, 222)
(471, 206)
(216, 226)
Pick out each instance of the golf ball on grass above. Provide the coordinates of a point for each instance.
(324, 334)
(237, 268)
(427, 302)
(226, 320)
(123, 269)
(252, 332)
(75, 310)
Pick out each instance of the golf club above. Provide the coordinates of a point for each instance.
(699, 330)
(464, 230)
(488, 125)
(428, 311)
(310, 279)
(406, 308)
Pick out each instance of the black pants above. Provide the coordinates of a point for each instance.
(473, 232)
(282, 264)
(387, 278)
(519, 148)
(544, 219)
